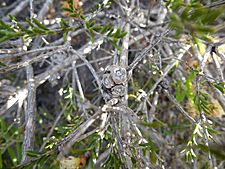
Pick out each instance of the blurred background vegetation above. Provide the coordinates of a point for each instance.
(53, 54)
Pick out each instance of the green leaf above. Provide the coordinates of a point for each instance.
(5, 26)
(3, 125)
(176, 23)
(2, 64)
(39, 24)
(97, 28)
(197, 13)
(63, 24)
(134, 160)
(105, 28)
(153, 157)
(6, 35)
(204, 29)
(122, 34)
(34, 154)
(91, 24)
(87, 24)
(220, 86)
(5, 32)
(21, 27)
(211, 15)
(38, 31)
(186, 13)
(19, 149)
(71, 4)
(98, 6)
(1, 165)
(110, 31)
(65, 35)
(215, 149)
(4, 38)
(92, 35)
(50, 32)
(154, 124)
(213, 131)
(82, 17)
(117, 33)
(149, 146)
(115, 44)
(176, 4)
(12, 154)
(42, 160)
(67, 10)
(180, 95)
(180, 127)
(75, 15)
(13, 18)
(29, 22)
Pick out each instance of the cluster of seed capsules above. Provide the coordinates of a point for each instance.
(113, 82)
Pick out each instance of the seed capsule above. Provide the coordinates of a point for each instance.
(119, 74)
(118, 90)
(107, 81)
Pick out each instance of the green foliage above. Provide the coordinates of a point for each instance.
(10, 144)
(186, 89)
(8, 32)
(201, 102)
(38, 159)
(108, 31)
(220, 86)
(72, 11)
(104, 4)
(202, 131)
(112, 161)
(193, 18)
(214, 149)
(2, 64)
(112, 35)
(36, 28)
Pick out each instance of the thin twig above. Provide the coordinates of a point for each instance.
(218, 67)
(124, 63)
(118, 138)
(205, 57)
(103, 156)
(41, 78)
(26, 62)
(173, 100)
(17, 10)
(44, 10)
(92, 70)
(66, 143)
(151, 113)
(165, 73)
(53, 126)
(81, 98)
(32, 51)
(203, 118)
(31, 107)
(144, 53)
